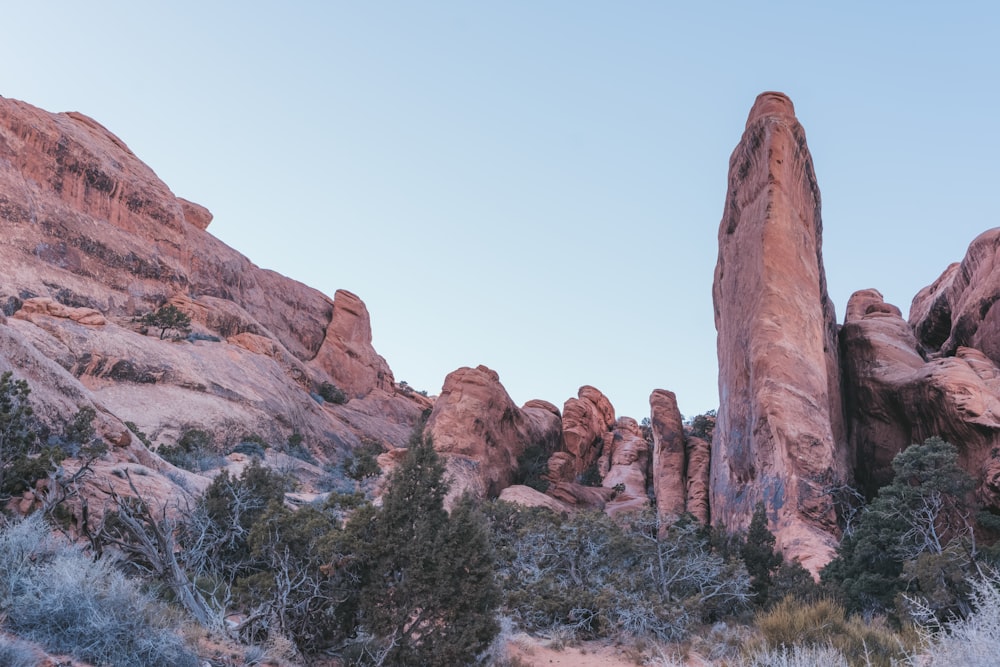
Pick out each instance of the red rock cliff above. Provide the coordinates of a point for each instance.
(780, 433)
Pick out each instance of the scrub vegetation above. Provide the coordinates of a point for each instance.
(406, 582)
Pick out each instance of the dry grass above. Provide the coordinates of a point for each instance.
(823, 624)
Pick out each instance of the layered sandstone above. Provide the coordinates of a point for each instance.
(669, 465)
(481, 433)
(780, 432)
(92, 239)
(959, 309)
(680, 466)
(896, 398)
(587, 422)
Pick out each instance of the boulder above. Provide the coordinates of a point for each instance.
(780, 433)
(529, 497)
(481, 433)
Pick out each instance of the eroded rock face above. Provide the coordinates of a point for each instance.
(780, 432)
(680, 468)
(587, 421)
(92, 239)
(669, 465)
(347, 352)
(699, 457)
(628, 460)
(481, 432)
(959, 308)
(897, 399)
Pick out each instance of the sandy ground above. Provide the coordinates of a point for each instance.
(533, 652)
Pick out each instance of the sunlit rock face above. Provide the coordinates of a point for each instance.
(481, 433)
(780, 433)
(92, 238)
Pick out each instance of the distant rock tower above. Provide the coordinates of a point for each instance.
(780, 435)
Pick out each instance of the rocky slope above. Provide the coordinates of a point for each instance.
(92, 239)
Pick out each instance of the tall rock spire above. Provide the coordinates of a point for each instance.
(780, 431)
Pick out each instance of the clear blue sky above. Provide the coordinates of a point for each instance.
(535, 186)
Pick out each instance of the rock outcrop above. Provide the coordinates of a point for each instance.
(896, 398)
(960, 308)
(669, 458)
(626, 467)
(680, 470)
(347, 353)
(92, 239)
(587, 422)
(780, 431)
(481, 432)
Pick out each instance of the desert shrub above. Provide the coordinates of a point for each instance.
(225, 514)
(194, 451)
(335, 480)
(68, 602)
(796, 656)
(249, 448)
(702, 426)
(195, 336)
(759, 556)
(303, 582)
(17, 434)
(167, 318)
(598, 577)
(427, 589)
(973, 641)
(331, 393)
(912, 538)
(296, 448)
(362, 462)
(16, 653)
(532, 466)
(143, 438)
(823, 624)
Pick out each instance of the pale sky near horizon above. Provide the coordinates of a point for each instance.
(535, 186)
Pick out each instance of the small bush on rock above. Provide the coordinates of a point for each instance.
(331, 393)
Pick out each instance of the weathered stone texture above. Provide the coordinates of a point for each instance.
(780, 431)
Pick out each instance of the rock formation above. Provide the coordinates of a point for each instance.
(587, 423)
(482, 433)
(958, 309)
(895, 398)
(627, 461)
(669, 464)
(780, 432)
(680, 472)
(92, 239)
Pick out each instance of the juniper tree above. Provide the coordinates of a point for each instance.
(759, 556)
(428, 593)
(922, 515)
